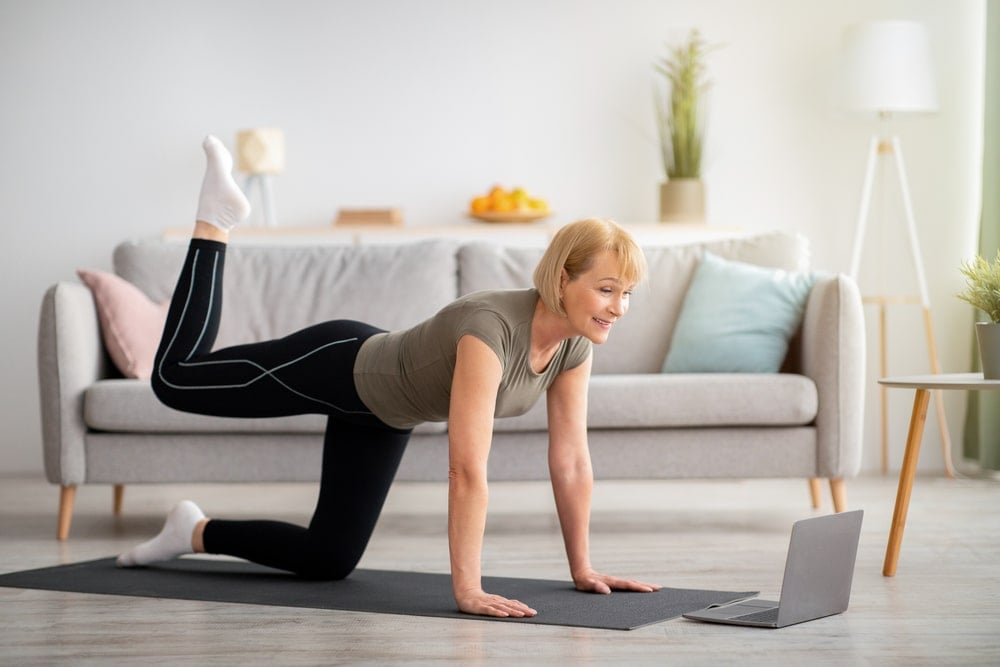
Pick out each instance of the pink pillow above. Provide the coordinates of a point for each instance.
(131, 324)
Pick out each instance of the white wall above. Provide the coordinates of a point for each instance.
(423, 104)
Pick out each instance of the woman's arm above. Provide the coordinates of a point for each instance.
(470, 434)
(569, 462)
(573, 479)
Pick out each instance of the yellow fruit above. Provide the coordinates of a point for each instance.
(520, 199)
(538, 204)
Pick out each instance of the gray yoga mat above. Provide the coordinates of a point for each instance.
(378, 591)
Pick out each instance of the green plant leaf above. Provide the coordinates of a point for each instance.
(982, 285)
(679, 108)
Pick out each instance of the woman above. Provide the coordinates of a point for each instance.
(490, 354)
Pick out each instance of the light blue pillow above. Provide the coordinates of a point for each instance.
(737, 318)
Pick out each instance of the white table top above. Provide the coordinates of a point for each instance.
(970, 381)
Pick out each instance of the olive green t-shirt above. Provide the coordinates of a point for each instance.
(404, 377)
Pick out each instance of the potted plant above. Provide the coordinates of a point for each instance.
(680, 117)
(982, 290)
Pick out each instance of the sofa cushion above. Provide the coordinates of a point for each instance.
(615, 401)
(737, 318)
(130, 406)
(688, 400)
(131, 324)
(271, 291)
(485, 266)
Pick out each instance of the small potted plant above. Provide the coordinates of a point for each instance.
(681, 120)
(982, 290)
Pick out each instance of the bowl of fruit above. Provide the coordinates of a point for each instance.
(502, 205)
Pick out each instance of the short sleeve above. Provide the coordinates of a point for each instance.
(579, 350)
(489, 327)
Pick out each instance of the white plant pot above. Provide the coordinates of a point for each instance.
(988, 335)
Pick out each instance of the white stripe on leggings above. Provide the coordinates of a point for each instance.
(265, 372)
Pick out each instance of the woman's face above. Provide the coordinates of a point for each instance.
(596, 299)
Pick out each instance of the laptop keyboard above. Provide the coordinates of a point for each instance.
(766, 616)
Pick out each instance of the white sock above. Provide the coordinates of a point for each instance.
(174, 540)
(221, 202)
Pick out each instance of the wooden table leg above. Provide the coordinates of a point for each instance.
(906, 475)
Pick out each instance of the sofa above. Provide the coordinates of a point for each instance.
(802, 419)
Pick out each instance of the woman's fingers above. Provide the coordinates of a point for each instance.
(602, 583)
(485, 604)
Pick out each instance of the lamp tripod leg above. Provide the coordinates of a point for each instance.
(925, 300)
(860, 228)
(267, 196)
(252, 181)
(949, 468)
(884, 369)
(893, 146)
(866, 200)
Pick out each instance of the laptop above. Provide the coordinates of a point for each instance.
(817, 582)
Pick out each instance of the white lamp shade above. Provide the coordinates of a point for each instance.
(261, 150)
(887, 67)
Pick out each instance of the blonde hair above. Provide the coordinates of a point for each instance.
(574, 248)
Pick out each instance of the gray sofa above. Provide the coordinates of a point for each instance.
(805, 421)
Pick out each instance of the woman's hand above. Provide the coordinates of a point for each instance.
(594, 582)
(482, 603)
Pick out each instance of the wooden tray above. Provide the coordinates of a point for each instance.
(510, 216)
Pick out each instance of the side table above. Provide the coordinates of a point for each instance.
(923, 384)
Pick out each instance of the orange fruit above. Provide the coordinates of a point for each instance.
(480, 204)
(503, 203)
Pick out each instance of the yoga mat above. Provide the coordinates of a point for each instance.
(379, 591)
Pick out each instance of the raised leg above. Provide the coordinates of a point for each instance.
(119, 498)
(839, 492)
(815, 492)
(67, 496)
(906, 476)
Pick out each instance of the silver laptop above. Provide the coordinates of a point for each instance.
(817, 582)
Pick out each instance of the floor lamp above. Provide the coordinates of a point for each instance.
(888, 71)
(260, 154)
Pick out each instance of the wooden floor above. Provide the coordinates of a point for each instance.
(942, 608)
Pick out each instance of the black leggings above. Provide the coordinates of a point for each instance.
(310, 371)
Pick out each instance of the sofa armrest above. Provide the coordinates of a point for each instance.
(70, 358)
(833, 355)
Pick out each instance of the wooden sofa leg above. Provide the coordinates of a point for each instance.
(119, 498)
(838, 489)
(815, 492)
(67, 496)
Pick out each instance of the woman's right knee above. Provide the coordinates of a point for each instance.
(326, 572)
(324, 564)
